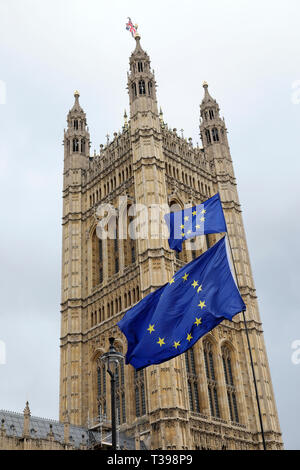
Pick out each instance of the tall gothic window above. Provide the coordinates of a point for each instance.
(230, 386)
(116, 250)
(140, 66)
(207, 134)
(129, 243)
(75, 145)
(76, 124)
(142, 88)
(82, 145)
(215, 134)
(211, 114)
(101, 388)
(133, 88)
(140, 396)
(100, 261)
(212, 385)
(192, 380)
(97, 260)
(150, 88)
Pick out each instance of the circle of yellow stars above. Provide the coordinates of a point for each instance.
(186, 219)
(197, 322)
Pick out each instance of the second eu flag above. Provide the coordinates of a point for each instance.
(197, 220)
(170, 320)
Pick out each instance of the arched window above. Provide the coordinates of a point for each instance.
(150, 88)
(192, 380)
(140, 397)
(133, 88)
(97, 260)
(211, 379)
(116, 250)
(230, 386)
(211, 114)
(76, 124)
(140, 66)
(207, 134)
(75, 145)
(82, 145)
(142, 89)
(133, 296)
(129, 242)
(101, 388)
(215, 134)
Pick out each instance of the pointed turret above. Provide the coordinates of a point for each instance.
(77, 137)
(27, 414)
(212, 127)
(141, 82)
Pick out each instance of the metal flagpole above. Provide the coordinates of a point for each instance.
(251, 358)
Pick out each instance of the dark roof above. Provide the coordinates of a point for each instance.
(40, 428)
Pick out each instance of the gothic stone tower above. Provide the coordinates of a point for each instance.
(204, 398)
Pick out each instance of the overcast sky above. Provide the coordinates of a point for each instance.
(248, 52)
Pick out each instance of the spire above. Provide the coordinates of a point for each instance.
(207, 98)
(139, 51)
(76, 106)
(77, 137)
(208, 101)
(26, 420)
(141, 82)
(2, 430)
(212, 127)
(125, 120)
(161, 118)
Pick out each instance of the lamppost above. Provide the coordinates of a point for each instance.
(112, 358)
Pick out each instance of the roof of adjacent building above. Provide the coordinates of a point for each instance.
(40, 429)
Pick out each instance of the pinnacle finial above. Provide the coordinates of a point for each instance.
(205, 84)
(27, 409)
(76, 94)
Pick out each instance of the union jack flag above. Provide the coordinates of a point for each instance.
(131, 27)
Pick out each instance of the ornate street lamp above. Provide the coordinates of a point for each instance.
(112, 359)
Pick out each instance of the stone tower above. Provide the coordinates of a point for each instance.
(204, 398)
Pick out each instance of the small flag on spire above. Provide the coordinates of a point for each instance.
(132, 28)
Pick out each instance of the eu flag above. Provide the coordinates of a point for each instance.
(170, 320)
(197, 220)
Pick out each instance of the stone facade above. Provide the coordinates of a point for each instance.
(204, 398)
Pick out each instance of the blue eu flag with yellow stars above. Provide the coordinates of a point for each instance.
(170, 320)
(194, 221)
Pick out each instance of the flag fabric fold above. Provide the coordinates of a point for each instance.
(194, 221)
(170, 320)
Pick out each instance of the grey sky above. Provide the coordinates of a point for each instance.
(248, 52)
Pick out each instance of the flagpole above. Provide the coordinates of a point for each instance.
(251, 358)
